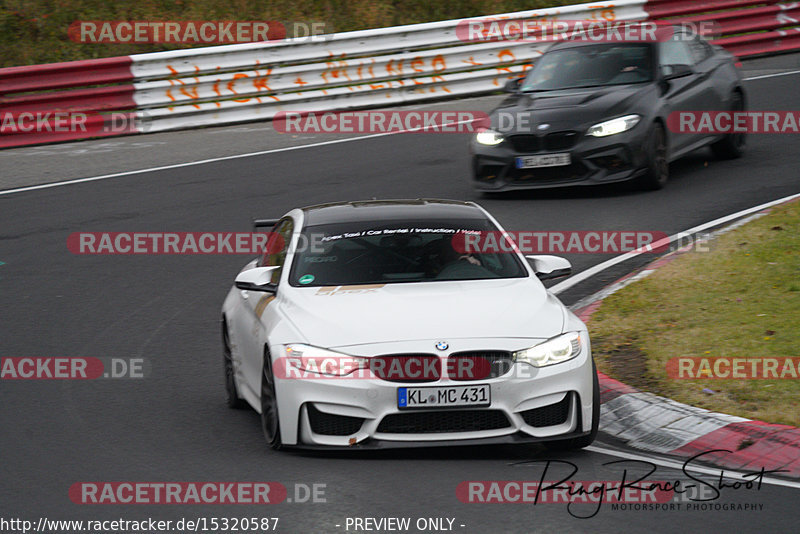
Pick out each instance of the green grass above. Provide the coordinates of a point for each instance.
(35, 31)
(740, 299)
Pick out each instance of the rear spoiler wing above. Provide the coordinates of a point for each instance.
(264, 223)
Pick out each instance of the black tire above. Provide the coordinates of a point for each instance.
(732, 145)
(583, 441)
(657, 163)
(270, 422)
(232, 394)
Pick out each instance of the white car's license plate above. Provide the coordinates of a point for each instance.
(444, 396)
(544, 160)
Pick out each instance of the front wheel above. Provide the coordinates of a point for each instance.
(270, 422)
(732, 145)
(583, 441)
(232, 394)
(657, 163)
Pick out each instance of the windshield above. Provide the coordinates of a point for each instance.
(380, 252)
(591, 66)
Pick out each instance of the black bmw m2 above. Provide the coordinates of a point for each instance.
(594, 113)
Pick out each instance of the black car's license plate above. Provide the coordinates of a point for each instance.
(544, 160)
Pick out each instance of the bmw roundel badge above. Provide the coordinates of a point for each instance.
(442, 345)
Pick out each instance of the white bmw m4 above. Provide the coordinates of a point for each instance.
(369, 325)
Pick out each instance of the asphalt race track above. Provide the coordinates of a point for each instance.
(174, 426)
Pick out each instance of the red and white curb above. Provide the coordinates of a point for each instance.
(657, 424)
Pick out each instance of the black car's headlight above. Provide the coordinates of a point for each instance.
(556, 350)
(489, 137)
(614, 126)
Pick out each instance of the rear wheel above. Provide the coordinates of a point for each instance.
(232, 394)
(583, 441)
(270, 423)
(732, 145)
(657, 164)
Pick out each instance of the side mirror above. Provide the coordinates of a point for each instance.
(264, 223)
(550, 267)
(512, 86)
(257, 279)
(672, 72)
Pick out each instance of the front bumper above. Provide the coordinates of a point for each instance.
(595, 161)
(527, 405)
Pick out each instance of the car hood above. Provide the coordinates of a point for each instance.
(570, 108)
(332, 317)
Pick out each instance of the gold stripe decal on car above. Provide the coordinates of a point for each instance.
(337, 290)
(262, 304)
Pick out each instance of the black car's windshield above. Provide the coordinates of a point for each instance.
(372, 252)
(591, 66)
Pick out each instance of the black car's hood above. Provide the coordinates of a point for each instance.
(574, 108)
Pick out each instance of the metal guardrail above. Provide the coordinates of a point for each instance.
(371, 68)
(745, 28)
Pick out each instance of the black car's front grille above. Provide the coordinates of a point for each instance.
(529, 143)
(560, 140)
(568, 173)
(407, 368)
(443, 421)
(332, 425)
(479, 365)
(550, 415)
(524, 143)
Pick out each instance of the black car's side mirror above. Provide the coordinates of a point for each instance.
(672, 72)
(512, 86)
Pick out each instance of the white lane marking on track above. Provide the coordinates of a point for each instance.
(213, 160)
(186, 164)
(674, 464)
(246, 155)
(591, 271)
(776, 75)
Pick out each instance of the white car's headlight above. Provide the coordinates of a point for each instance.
(557, 350)
(489, 137)
(614, 126)
(323, 361)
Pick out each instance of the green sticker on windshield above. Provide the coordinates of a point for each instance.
(306, 279)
